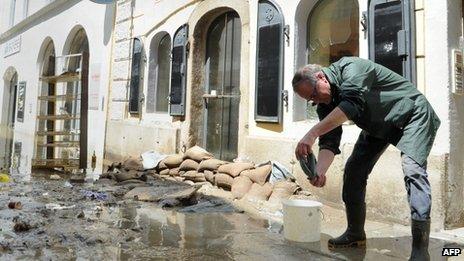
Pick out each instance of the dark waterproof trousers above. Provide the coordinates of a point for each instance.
(366, 152)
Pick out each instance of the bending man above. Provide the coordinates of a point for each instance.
(389, 110)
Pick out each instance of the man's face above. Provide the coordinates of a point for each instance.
(317, 94)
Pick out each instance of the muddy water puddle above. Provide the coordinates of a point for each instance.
(93, 221)
(63, 223)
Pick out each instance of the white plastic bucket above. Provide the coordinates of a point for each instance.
(302, 220)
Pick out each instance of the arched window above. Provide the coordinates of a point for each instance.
(179, 72)
(162, 70)
(134, 93)
(333, 31)
(269, 63)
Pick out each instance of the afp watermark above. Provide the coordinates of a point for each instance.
(451, 251)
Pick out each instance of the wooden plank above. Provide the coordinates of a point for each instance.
(59, 97)
(57, 117)
(53, 163)
(56, 133)
(61, 144)
(66, 77)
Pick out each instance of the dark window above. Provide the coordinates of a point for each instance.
(388, 22)
(179, 72)
(269, 63)
(134, 92)
(391, 43)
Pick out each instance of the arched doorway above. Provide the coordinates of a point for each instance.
(63, 98)
(8, 113)
(78, 44)
(46, 107)
(222, 83)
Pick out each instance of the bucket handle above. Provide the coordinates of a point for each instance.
(322, 214)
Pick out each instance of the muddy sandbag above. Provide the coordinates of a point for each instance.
(258, 192)
(125, 175)
(173, 161)
(234, 169)
(161, 166)
(209, 176)
(197, 154)
(133, 164)
(241, 186)
(282, 190)
(210, 164)
(164, 172)
(179, 179)
(194, 176)
(258, 175)
(189, 164)
(174, 172)
(223, 180)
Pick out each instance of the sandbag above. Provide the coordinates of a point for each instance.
(174, 172)
(173, 161)
(161, 166)
(209, 176)
(179, 179)
(164, 172)
(189, 164)
(133, 164)
(197, 154)
(194, 176)
(223, 180)
(258, 192)
(241, 186)
(210, 164)
(282, 190)
(125, 175)
(234, 169)
(258, 175)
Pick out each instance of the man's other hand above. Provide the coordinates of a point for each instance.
(304, 147)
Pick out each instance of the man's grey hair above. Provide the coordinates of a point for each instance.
(306, 73)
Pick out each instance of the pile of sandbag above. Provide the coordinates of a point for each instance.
(195, 165)
(129, 170)
(243, 179)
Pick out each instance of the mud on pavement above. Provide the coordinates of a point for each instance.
(58, 220)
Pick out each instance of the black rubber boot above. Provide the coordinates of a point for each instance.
(354, 235)
(420, 240)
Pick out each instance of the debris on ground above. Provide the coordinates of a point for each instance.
(4, 178)
(15, 205)
(55, 177)
(94, 195)
(21, 226)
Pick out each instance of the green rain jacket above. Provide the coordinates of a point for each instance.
(382, 103)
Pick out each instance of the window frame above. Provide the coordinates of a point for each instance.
(409, 44)
(279, 117)
(11, 21)
(178, 40)
(136, 80)
(153, 73)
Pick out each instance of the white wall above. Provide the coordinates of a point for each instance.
(57, 24)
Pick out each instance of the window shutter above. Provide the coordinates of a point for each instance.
(134, 91)
(269, 64)
(179, 72)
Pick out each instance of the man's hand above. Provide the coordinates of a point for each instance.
(304, 147)
(324, 160)
(318, 181)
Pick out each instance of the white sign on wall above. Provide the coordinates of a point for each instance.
(94, 86)
(12, 46)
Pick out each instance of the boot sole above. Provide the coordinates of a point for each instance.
(360, 243)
